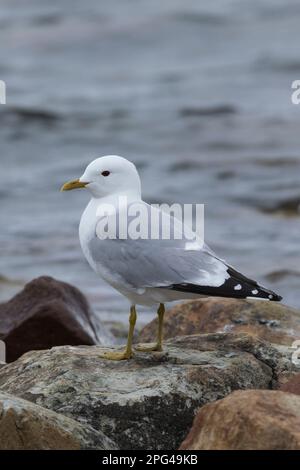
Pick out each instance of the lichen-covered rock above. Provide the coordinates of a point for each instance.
(148, 402)
(26, 426)
(270, 321)
(247, 420)
(47, 313)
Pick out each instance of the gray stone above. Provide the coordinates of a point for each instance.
(150, 401)
(26, 426)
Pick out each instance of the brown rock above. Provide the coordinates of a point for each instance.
(46, 313)
(25, 426)
(247, 420)
(291, 385)
(270, 321)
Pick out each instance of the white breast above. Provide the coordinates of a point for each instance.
(87, 230)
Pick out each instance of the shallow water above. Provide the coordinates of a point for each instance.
(197, 95)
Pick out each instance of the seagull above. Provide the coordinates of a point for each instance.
(148, 271)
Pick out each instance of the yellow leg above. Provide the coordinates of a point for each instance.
(160, 313)
(158, 345)
(127, 353)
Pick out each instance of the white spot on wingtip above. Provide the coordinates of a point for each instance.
(257, 298)
(270, 296)
(141, 291)
(192, 246)
(237, 287)
(254, 292)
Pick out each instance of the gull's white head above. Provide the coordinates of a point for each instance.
(107, 176)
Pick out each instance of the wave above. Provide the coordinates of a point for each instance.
(289, 207)
(208, 111)
(11, 282)
(29, 115)
(277, 162)
(273, 64)
(200, 18)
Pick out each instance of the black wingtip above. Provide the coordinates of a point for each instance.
(276, 297)
(265, 294)
(236, 286)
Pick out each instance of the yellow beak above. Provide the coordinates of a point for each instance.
(74, 184)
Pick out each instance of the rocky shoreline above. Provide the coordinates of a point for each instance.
(225, 379)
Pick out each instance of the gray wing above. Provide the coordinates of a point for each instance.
(172, 263)
(157, 262)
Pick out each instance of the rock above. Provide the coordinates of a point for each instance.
(148, 402)
(25, 426)
(46, 313)
(291, 384)
(270, 321)
(247, 420)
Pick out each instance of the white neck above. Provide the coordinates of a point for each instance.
(117, 202)
(120, 198)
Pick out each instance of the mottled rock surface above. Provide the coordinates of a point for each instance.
(247, 420)
(46, 313)
(26, 426)
(270, 321)
(148, 402)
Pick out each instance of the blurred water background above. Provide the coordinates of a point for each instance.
(197, 94)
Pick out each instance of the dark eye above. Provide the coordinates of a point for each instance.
(105, 173)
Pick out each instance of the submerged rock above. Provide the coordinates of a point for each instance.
(148, 402)
(270, 321)
(26, 426)
(247, 420)
(46, 313)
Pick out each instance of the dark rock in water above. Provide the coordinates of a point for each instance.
(46, 313)
(26, 426)
(270, 321)
(247, 420)
(148, 402)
